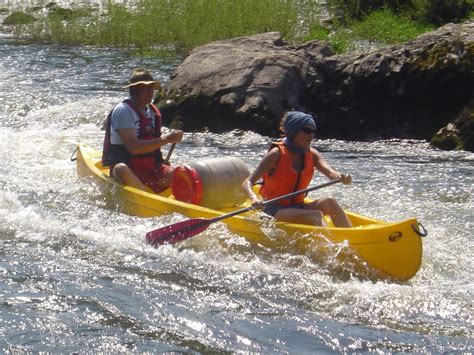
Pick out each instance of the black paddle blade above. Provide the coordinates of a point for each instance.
(177, 232)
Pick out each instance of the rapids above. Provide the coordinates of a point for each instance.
(76, 274)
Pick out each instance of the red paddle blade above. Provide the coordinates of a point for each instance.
(177, 232)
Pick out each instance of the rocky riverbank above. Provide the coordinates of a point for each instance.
(408, 91)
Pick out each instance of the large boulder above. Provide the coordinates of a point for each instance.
(406, 90)
(409, 90)
(240, 83)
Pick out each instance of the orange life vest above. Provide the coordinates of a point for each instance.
(285, 179)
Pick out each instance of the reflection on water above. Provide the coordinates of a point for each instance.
(76, 273)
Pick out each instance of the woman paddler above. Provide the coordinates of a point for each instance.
(289, 166)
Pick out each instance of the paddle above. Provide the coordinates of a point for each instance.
(168, 156)
(176, 124)
(186, 229)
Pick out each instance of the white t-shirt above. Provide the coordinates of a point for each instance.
(123, 116)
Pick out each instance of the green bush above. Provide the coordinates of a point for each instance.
(19, 18)
(317, 32)
(61, 14)
(382, 27)
(436, 12)
(439, 12)
(341, 40)
(387, 28)
(348, 10)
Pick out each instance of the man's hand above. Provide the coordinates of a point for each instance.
(175, 136)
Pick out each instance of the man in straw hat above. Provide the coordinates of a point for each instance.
(133, 137)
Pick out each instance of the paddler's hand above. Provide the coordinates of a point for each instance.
(257, 204)
(175, 136)
(346, 179)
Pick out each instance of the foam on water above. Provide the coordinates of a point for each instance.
(77, 274)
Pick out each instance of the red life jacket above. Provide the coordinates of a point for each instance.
(117, 153)
(285, 179)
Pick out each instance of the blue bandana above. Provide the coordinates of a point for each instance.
(294, 121)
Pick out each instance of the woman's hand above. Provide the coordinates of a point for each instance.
(346, 179)
(257, 204)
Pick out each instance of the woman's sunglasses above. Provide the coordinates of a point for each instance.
(309, 130)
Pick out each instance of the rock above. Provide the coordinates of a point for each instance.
(409, 90)
(459, 134)
(240, 83)
(447, 138)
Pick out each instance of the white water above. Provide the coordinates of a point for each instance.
(76, 275)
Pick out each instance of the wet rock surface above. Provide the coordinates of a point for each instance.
(407, 91)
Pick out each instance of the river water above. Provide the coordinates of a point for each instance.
(76, 275)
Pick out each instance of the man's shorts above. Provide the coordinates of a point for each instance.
(154, 178)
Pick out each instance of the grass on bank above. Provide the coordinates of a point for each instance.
(179, 24)
(159, 26)
(379, 28)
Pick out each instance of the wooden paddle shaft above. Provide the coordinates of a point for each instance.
(168, 156)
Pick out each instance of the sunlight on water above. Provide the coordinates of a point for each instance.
(77, 273)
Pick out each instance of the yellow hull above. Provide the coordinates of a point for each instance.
(379, 249)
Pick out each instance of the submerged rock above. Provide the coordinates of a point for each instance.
(409, 90)
(459, 134)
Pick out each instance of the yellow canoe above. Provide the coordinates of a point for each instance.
(374, 248)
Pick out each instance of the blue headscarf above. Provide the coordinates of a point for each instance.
(294, 121)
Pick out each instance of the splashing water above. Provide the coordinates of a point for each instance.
(77, 274)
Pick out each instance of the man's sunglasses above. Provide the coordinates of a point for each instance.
(308, 130)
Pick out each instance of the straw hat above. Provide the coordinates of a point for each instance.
(143, 76)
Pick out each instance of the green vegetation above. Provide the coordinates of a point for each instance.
(57, 13)
(19, 18)
(383, 27)
(437, 12)
(386, 27)
(179, 24)
(163, 26)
